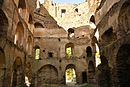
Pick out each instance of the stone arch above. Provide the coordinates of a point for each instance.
(37, 52)
(70, 33)
(123, 65)
(38, 25)
(124, 17)
(92, 19)
(19, 34)
(72, 77)
(3, 23)
(48, 74)
(89, 51)
(69, 47)
(18, 75)
(108, 36)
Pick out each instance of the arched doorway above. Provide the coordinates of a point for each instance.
(19, 34)
(3, 24)
(70, 74)
(69, 47)
(123, 66)
(123, 18)
(84, 77)
(70, 33)
(91, 72)
(18, 77)
(22, 8)
(48, 74)
(89, 51)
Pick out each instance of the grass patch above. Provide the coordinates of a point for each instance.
(88, 85)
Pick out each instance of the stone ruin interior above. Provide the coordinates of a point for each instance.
(53, 44)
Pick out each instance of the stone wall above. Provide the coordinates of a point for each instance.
(114, 37)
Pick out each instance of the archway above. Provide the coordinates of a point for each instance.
(3, 24)
(18, 75)
(47, 74)
(108, 36)
(70, 74)
(91, 72)
(84, 77)
(22, 8)
(71, 33)
(89, 51)
(37, 52)
(19, 34)
(124, 17)
(38, 25)
(69, 49)
(123, 66)
(92, 19)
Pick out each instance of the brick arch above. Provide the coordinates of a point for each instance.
(18, 73)
(71, 66)
(3, 23)
(123, 66)
(108, 36)
(69, 45)
(124, 17)
(48, 74)
(19, 34)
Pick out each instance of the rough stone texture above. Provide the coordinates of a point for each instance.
(23, 28)
(13, 53)
(77, 14)
(111, 20)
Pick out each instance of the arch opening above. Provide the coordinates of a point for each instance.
(19, 34)
(124, 17)
(123, 65)
(70, 74)
(37, 52)
(108, 36)
(70, 33)
(89, 51)
(18, 79)
(69, 50)
(22, 8)
(48, 74)
(38, 25)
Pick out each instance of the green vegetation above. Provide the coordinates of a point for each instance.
(88, 85)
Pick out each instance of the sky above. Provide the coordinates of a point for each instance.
(66, 1)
